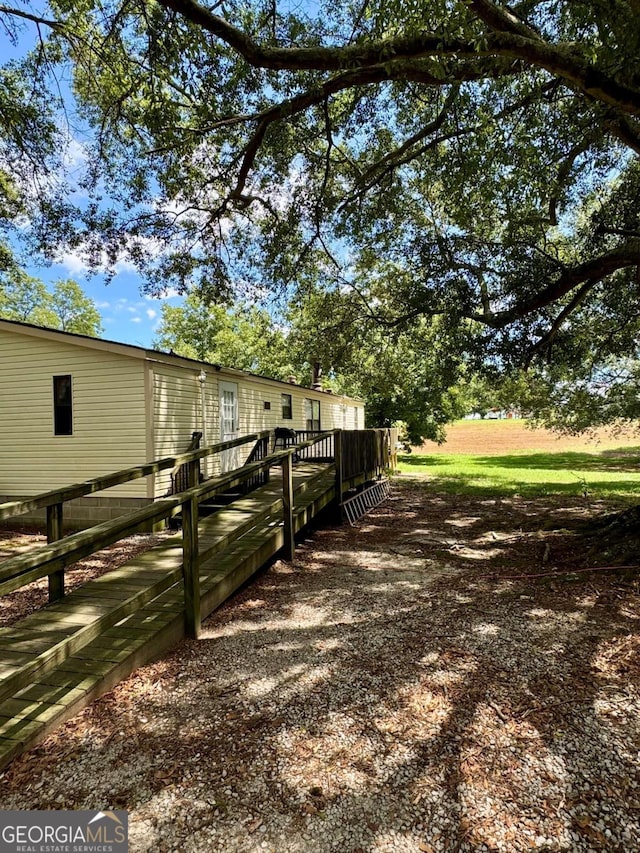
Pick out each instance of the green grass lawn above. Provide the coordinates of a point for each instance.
(608, 474)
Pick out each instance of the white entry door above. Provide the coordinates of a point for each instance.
(228, 424)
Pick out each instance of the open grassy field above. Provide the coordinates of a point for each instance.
(514, 436)
(505, 458)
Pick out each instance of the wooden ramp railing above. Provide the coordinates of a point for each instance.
(365, 453)
(368, 452)
(118, 478)
(181, 473)
(357, 456)
(169, 587)
(54, 557)
(53, 501)
(56, 660)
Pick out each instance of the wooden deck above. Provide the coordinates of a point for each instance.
(55, 661)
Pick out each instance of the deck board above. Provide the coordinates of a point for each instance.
(60, 658)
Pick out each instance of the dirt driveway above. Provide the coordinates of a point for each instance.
(402, 687)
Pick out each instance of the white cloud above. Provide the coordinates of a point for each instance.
(169, 293)
(73, 263)
(136, 319)
(124, 265)
(151, 313)
(75, 155)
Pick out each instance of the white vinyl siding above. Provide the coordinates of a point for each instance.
(177, 414)
(129, 406)
(178, 411)
(109, 428)
(253, 392)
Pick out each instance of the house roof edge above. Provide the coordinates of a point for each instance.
(148, 354)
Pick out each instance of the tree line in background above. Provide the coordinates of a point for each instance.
(434, 191)
(389, 372)
(65, 306)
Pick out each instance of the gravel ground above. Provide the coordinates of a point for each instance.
(16, 605)
(404, 686)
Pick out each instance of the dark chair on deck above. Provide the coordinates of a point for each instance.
(285, 437)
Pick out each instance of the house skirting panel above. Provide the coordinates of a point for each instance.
(78, 514)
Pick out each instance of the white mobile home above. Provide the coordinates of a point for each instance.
(74, 408)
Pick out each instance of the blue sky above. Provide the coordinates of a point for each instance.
(128, 315)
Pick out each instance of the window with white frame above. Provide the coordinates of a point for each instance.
(312, 414)
(287, 407)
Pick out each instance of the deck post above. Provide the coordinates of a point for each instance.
(191, 568)
(289, 546)
(54, 533)
(337, 454)
(265, 452)
(193, 473)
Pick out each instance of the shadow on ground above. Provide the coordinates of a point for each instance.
(438, 678)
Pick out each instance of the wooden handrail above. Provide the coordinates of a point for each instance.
(78, 490)
(43, 561)
(194, 444)
(49, 558)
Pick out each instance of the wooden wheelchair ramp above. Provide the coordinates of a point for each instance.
(57, 660)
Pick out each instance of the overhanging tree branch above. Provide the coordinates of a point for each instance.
(564, 171)
(625, 129)
(593, 270)
(314, 97)
(51, 23)
(546, 340)
(502, 19)
(566, 61)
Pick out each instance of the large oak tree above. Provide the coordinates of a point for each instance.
(469, 160)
